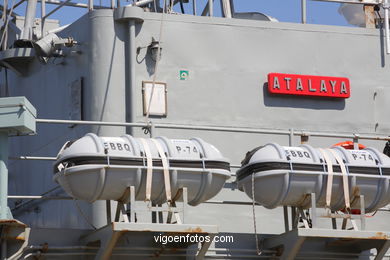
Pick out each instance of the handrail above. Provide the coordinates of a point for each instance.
(302, 133)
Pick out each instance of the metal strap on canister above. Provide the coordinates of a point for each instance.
(329, 184)
(149, 168)
(165, 163)
(345, 179)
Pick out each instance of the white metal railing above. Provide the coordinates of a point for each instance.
(227, 9)
(289, 132)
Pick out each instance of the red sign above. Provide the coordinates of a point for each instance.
(306, 85)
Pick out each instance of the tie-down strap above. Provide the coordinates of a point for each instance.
(343, 169)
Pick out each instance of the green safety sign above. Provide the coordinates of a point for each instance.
(184, 74)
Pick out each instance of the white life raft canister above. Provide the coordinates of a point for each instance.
(103, 168)
(286, 176)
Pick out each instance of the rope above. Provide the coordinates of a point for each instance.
(156, 64)
(83, 215)
(258, 251)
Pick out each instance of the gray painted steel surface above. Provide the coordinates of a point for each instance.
(228, 61)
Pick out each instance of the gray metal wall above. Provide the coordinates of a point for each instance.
(228, 62)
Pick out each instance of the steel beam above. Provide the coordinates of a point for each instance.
(109, 234)
(290, 241)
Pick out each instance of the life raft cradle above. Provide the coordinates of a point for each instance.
(329, 167)
(148, 162)
(292, 240)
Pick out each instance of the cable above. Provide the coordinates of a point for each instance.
(259, 252)
(156, 64)
(182, 7)
(83, 215)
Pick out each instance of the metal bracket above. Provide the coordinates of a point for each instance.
(109, 235)
(14, 237)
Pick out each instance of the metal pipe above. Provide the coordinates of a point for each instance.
(5, 30)
(29, 19)
(132, 81)
(19, 3)
(29, 201)
(142, 2)
(303, 8)
(387, 33)
(80, 122)
(138, 255)
(39, 158)
(57, 2)
(217, 128)
(39, 197)
(43, 13)
(291, 137)
(3, 175)
(211, 8)
(194, 7)
(59, 29)
(90, 5)
(223, 129)
(226, 8)
(112, 4)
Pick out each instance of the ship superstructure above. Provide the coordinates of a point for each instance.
(146, 69)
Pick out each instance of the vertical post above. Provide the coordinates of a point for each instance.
(291, 137)
(356, 143)
(108, 211)
(285, 214)
(185, 202)
(132, 204)
(294, 223)
(211, 9)
(112, 4)
(154, 213)
(313, 210)
(303, 6)
(386, 7)
(152, 129)
(362, 213)
(29, 19)
(226, 9)
(194, 6)
(334, 223)
(160, 214)
(5, 18)
(90, 5)
(232, 7)
(304, 139)
(131, 73)
(3, 175)
(43, 13)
